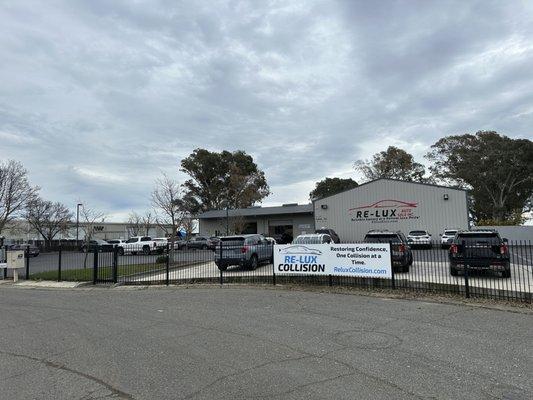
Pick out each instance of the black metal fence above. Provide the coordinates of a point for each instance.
(430, 270)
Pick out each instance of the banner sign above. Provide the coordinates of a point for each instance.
(370, 260)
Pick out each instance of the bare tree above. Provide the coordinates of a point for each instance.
(135, 224)
(188, 225)
(90, 218)
(15, 191)
(147, 222)
(237, 224)
(167, 201)
(48, 218)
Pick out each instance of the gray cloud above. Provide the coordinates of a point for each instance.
(99, 97)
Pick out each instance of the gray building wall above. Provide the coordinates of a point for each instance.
(514, 233)
(393, 205)
(301, 223)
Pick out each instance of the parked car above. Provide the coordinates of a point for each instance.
(33, 251)
(162, 242)
(245, 250)
(140, 244)
(96, 245)
(271, 240)
(197, 242)
(116, 241)
(479, 250)
(402, 256)
(284, 238)
(213, 242)
(446, 238)
(419, 238)
(332, 234)
(316, 238)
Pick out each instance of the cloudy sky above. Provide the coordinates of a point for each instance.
(98, 97)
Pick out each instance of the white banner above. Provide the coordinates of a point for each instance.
(371, 260)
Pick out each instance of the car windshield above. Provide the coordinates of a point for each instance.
(132, 240)
(450, 233)
(232, 241)
(308, 240)
(478, 235)
(322, 231)
(479, 238)
(381, 238)
(417, 233)
(113, 241)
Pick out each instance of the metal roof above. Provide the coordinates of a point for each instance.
(393, 180)
(259, 211)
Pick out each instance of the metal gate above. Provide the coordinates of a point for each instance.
(105, 266)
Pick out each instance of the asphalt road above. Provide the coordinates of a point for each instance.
(241, 343)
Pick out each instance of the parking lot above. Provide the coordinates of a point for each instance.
(429, 266)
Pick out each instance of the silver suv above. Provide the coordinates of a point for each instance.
(245, 250)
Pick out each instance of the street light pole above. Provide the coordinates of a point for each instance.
(77, 222)
(227, 220)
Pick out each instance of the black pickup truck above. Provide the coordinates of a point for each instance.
(479, 250)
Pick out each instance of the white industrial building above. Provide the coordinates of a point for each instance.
(381, 204)
(392, 205)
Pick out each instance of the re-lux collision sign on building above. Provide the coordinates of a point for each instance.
(370, 260)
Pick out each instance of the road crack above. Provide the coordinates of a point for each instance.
(58, 366)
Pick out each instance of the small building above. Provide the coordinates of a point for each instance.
(392, 205)
(21, 231)
(288, 220)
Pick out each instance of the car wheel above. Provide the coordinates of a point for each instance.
(222, 267)
(204, 247)
(506, 273)
(120, 251)
(405, 268)
(453, 271)
(146, 250)
(253, 262)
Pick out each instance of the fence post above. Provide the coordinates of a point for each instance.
(27, 261)
(115, 264)
(59, 265)
(167, 277)
(95, 264)
(3, 257)
(393, 279)
(467, 287)
(220, 259)
(273, 274)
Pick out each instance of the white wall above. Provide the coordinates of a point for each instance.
(514, 233)
(426, 209)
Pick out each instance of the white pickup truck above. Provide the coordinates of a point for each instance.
(140, 244)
